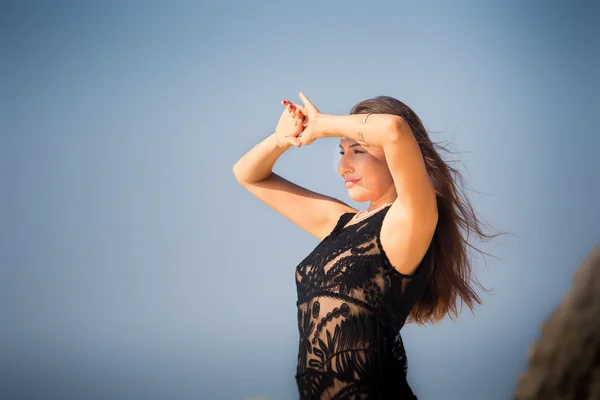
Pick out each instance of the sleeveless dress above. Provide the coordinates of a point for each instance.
(352, 304)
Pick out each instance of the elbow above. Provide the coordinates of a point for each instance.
(237, 174)
(243, 177)
(397, 126)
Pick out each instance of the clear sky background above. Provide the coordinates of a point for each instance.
(132, 264)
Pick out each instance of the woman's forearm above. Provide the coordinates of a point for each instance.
(257, 164)
(400, 147)
(379, 129)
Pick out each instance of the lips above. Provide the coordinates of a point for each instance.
(350, 182)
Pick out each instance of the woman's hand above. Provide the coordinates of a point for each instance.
(289, 126)
(311, 115)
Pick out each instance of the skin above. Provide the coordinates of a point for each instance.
(409, 225)
(358, 161)
(388, 164)
(368, 164)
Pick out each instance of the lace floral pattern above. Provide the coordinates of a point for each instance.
(352, 304)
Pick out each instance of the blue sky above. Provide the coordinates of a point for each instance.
(133, 265)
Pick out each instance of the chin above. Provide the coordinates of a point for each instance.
(358, 195)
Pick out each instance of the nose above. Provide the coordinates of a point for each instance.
(345, 166)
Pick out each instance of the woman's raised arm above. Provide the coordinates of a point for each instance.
(315, 213)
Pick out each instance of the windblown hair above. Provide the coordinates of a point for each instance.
(451, 282)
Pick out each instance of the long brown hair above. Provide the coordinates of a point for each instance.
(451, 280)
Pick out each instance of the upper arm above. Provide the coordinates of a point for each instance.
(409, 225)
(315, 213)
(405, 237)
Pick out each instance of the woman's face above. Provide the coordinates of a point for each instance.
(365, 171)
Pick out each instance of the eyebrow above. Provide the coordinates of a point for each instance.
(352, 145)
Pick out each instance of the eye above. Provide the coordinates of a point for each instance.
(358, 151)
(355, 152)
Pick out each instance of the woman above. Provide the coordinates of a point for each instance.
(404, 258)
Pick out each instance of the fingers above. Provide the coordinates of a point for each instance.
(293, 141)
(305, 100)
(295, 111)
(293, 108)
(305, 141)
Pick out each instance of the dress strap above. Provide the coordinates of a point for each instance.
(344, 219)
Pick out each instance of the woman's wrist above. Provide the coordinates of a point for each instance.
(323, 126)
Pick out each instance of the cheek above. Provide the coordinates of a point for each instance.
(377, 173)
(369, 165)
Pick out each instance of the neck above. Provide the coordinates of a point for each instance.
(386, 198)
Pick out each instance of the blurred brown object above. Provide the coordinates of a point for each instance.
(565, 362)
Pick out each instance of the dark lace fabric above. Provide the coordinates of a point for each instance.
(352, 304)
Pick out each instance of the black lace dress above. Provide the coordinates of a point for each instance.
(351, 306)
